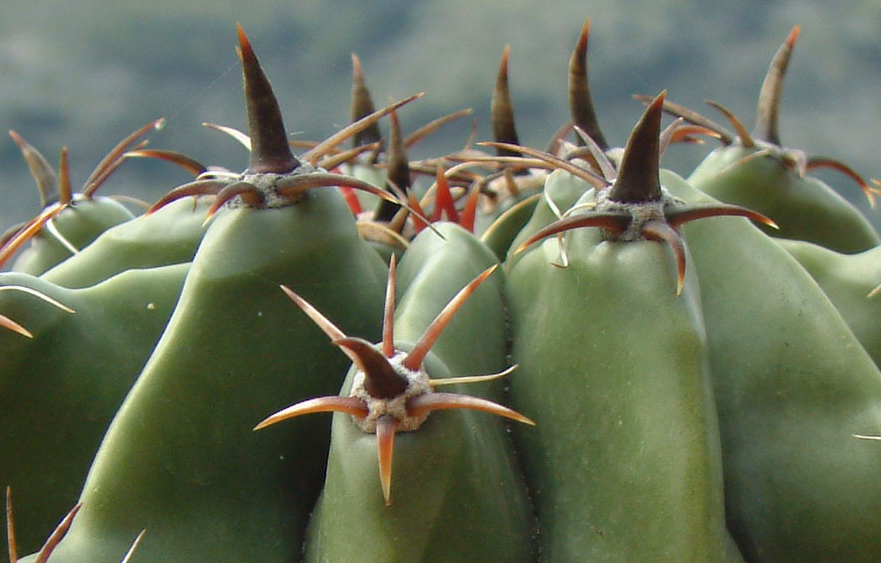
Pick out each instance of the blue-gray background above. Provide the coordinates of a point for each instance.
(83, 74)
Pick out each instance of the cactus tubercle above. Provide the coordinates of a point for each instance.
(635, 207)
(391, 391)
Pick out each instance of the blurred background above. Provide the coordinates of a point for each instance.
(85, 74)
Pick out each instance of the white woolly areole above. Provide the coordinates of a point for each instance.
(267, 183)
(417, 384)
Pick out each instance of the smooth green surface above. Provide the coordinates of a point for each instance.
(847, 279)
(79, 224)
(457, 492)
(804, 208)
(171, 235)
(60, 390)
(624, 461)
(792, 385)
(500, 234)
(432, 271)
(181, 459)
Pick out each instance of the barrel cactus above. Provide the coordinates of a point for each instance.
(681, 372)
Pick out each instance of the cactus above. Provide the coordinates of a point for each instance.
(68, 222)
(441, 464)
(851, 281)
(620, 395)
(755, 170)
(695, 374)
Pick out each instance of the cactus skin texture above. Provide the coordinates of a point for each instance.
(169, 236)
(79, 225)
(851, 281)
(631, 436)
(664, 389)
(790, 397)
(180, 458)
(437, 264)
(804, 207)
(755, 171)
(457, 493)
(79, 366)
(613, 420)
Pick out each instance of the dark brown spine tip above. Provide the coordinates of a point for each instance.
(41, 170)
(638, 175)
(746, 138)
(398, 170)
(502, 110)
(362, 106)
(381, 381)
(65, 189)
(580, 99)
(768, 117)
(270, 151)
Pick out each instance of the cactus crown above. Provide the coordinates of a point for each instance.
(635, 207)
(391, 391)
(56, 193)
(274, 177)
(765, 137)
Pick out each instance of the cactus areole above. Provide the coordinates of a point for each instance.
(391, 390)
(756, 171)
(701, 392)
(636, 207)
(274, 177)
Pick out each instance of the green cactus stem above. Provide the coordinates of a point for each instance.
(260, 490)
(766, 133)
(753, 169)
(458, 491)
(68, 221)
(392, 392)
(274, 177)
(636, 207)
(60, 389)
